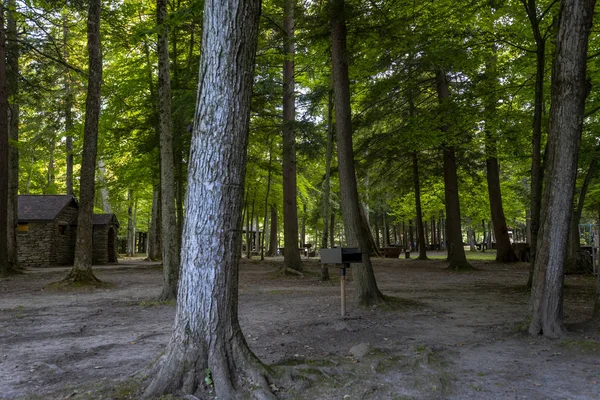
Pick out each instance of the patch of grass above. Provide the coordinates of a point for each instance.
(393, 303)
(587, 346)
(62, 286)
(155, 303)
(489, 255)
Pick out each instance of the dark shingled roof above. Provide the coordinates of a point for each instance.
(105, 219)
(43, 207)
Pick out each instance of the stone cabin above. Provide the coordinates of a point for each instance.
(105, 242)
(47, 231)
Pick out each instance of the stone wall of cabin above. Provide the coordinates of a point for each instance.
(64, 237)
(100, 245)
(36, 245)
(49, 243)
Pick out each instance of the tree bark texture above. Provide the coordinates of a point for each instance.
(366, 290)
(82, 266)
(170, 236)
(456, 251)
(569, 90)
(207, 335)
(417, 186)
(12, 78)
(291, 257)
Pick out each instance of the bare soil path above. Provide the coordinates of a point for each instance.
(450, 336)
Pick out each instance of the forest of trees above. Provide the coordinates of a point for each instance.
(366, 118)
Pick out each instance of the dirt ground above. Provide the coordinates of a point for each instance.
(452, 336)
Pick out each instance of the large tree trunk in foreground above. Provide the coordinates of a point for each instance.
(420, 230)
(82, 267)
(291, 257)
(207, 335)
(366, 291)
(12, 78)
(456, 251)
(569, 90)
(170, 235)
(4, 266)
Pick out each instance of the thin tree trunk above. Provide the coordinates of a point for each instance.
(154, 236)
(106, 208)
(12, 78)
(332, 229)
(273, 234)
(291, 258)
(207, 335)
(82, 267)
(170, 235)
(262, 244)
(417, 186)
(366, 291)
(504, 250)
(4, 152)
(327, 231)
(130, 225)
(574, 246)
(456, 251)
(569, 91)
(531, 9)
(68, 107)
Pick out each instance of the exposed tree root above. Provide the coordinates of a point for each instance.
(461, 266)
(554, 330)
(192, 369)
(81, 277)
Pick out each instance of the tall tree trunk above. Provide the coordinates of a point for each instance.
(154, 236)
(291, 258)
(456, 251)
(273, 233)
(417, 185)
(12, 78)
(4, 152)
(531, 9)
(569, 90)
(68, 107)
(504, 250)
(82, 267)
(366, 291)
(170, 235)
(207, 335)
